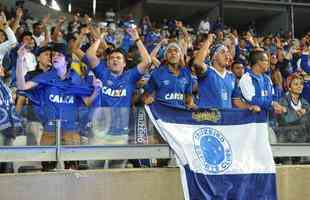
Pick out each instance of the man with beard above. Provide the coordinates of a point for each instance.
(255, 88)
(171, 83)
(215, 83)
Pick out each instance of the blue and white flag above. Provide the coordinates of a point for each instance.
(222, 154)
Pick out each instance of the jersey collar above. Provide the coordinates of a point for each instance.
(218, 73)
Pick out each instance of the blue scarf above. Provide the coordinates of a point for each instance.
(74, 85)
(10, 121)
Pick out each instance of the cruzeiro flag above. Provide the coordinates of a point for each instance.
(222, 154)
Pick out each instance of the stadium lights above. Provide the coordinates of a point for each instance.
(55, 5)
(94, 7)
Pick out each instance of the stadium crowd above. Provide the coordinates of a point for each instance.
(88, 74)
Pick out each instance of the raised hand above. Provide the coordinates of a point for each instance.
(211, 38)
(3, 21)
(45, 20)
(249, 37)
(22, 51)
(133, 33)
(103, 33)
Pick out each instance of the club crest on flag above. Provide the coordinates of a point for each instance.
(213, 150)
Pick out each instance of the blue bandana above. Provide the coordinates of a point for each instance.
(216, 49)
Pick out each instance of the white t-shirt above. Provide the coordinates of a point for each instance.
(8, 44)
(30, 62)
(39, 40)
(204, 27)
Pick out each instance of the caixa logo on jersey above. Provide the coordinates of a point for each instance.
(213, 150)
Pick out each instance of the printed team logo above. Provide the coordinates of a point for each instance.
(213, 150)
(166, 82)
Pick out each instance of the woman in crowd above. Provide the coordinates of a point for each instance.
(297, 109)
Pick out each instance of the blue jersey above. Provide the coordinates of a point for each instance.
(215, 90)
(304, 62)
(127, 43)
(257, 90)
(116, 91)
(169, 88)
(306, 91)
(278, 93)
(59, 99)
